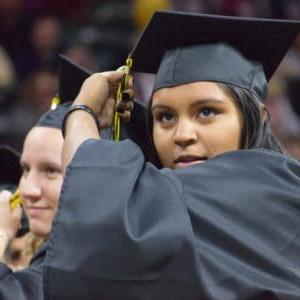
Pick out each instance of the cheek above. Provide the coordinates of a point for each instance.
(41, 226)
(226, 136)
(161, 142)
(52, 193)
(235, 132)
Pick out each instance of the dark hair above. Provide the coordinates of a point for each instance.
(257, 131)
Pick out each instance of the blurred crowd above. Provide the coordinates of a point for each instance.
(99, 35)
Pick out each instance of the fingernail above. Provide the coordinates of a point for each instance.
(125, 96)
(120, 110)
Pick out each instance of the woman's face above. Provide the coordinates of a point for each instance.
(41, 180)
(193, 123)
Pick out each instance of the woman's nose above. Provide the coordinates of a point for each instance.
(185, 133)
(30, 187)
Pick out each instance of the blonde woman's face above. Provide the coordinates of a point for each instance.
(41, 180)
(193, 123)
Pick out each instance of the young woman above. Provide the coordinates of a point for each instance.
(216, 215)
(39, 188)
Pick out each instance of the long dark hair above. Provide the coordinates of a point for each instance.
(257, 130)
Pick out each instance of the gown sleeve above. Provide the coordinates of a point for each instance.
(126, 230)
(26, 284)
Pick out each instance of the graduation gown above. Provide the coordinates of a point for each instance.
(228, 228)
(25, 284)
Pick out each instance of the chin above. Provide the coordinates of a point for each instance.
(39, 230)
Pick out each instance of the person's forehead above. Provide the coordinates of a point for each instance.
(43, 141)
(196, 90)
(193, 96)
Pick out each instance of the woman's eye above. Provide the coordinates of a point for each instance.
(164, 117)
(207, 112)
(52, 171)
(25, 170)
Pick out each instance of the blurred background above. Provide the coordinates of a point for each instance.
(99, 35)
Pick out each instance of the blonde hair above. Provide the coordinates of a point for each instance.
(32, 245)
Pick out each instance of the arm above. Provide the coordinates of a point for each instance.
(97, 93)
(22, 285)
(118, 213)
(178, 235)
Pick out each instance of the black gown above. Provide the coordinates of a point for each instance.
(225, 229)
(26, 284)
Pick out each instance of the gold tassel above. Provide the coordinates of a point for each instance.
(116, 128)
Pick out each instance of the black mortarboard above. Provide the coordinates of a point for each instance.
(70, 78)
(185, 47)
(53, 118)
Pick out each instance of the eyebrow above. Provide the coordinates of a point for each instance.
(195, 103)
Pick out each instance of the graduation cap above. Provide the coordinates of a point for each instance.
(71, 77)
(186, 47)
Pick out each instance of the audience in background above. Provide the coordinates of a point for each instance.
(98, 35)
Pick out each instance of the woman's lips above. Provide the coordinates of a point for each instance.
(186, 161)
(36, 211)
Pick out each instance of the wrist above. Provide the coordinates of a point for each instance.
(82, 108)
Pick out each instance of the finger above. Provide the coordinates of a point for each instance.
(114, 77)
(122, 68)
(5, 196)
(17, 212)
(129, 77)
(128, 95)
(107, 114)
(130, 81)
(125, 117)
(122, 106)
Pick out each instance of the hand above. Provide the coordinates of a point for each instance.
(10, 218)
(98, 92)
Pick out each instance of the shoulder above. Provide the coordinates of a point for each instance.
(246, 168)
(4, 270)
(93, 152)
